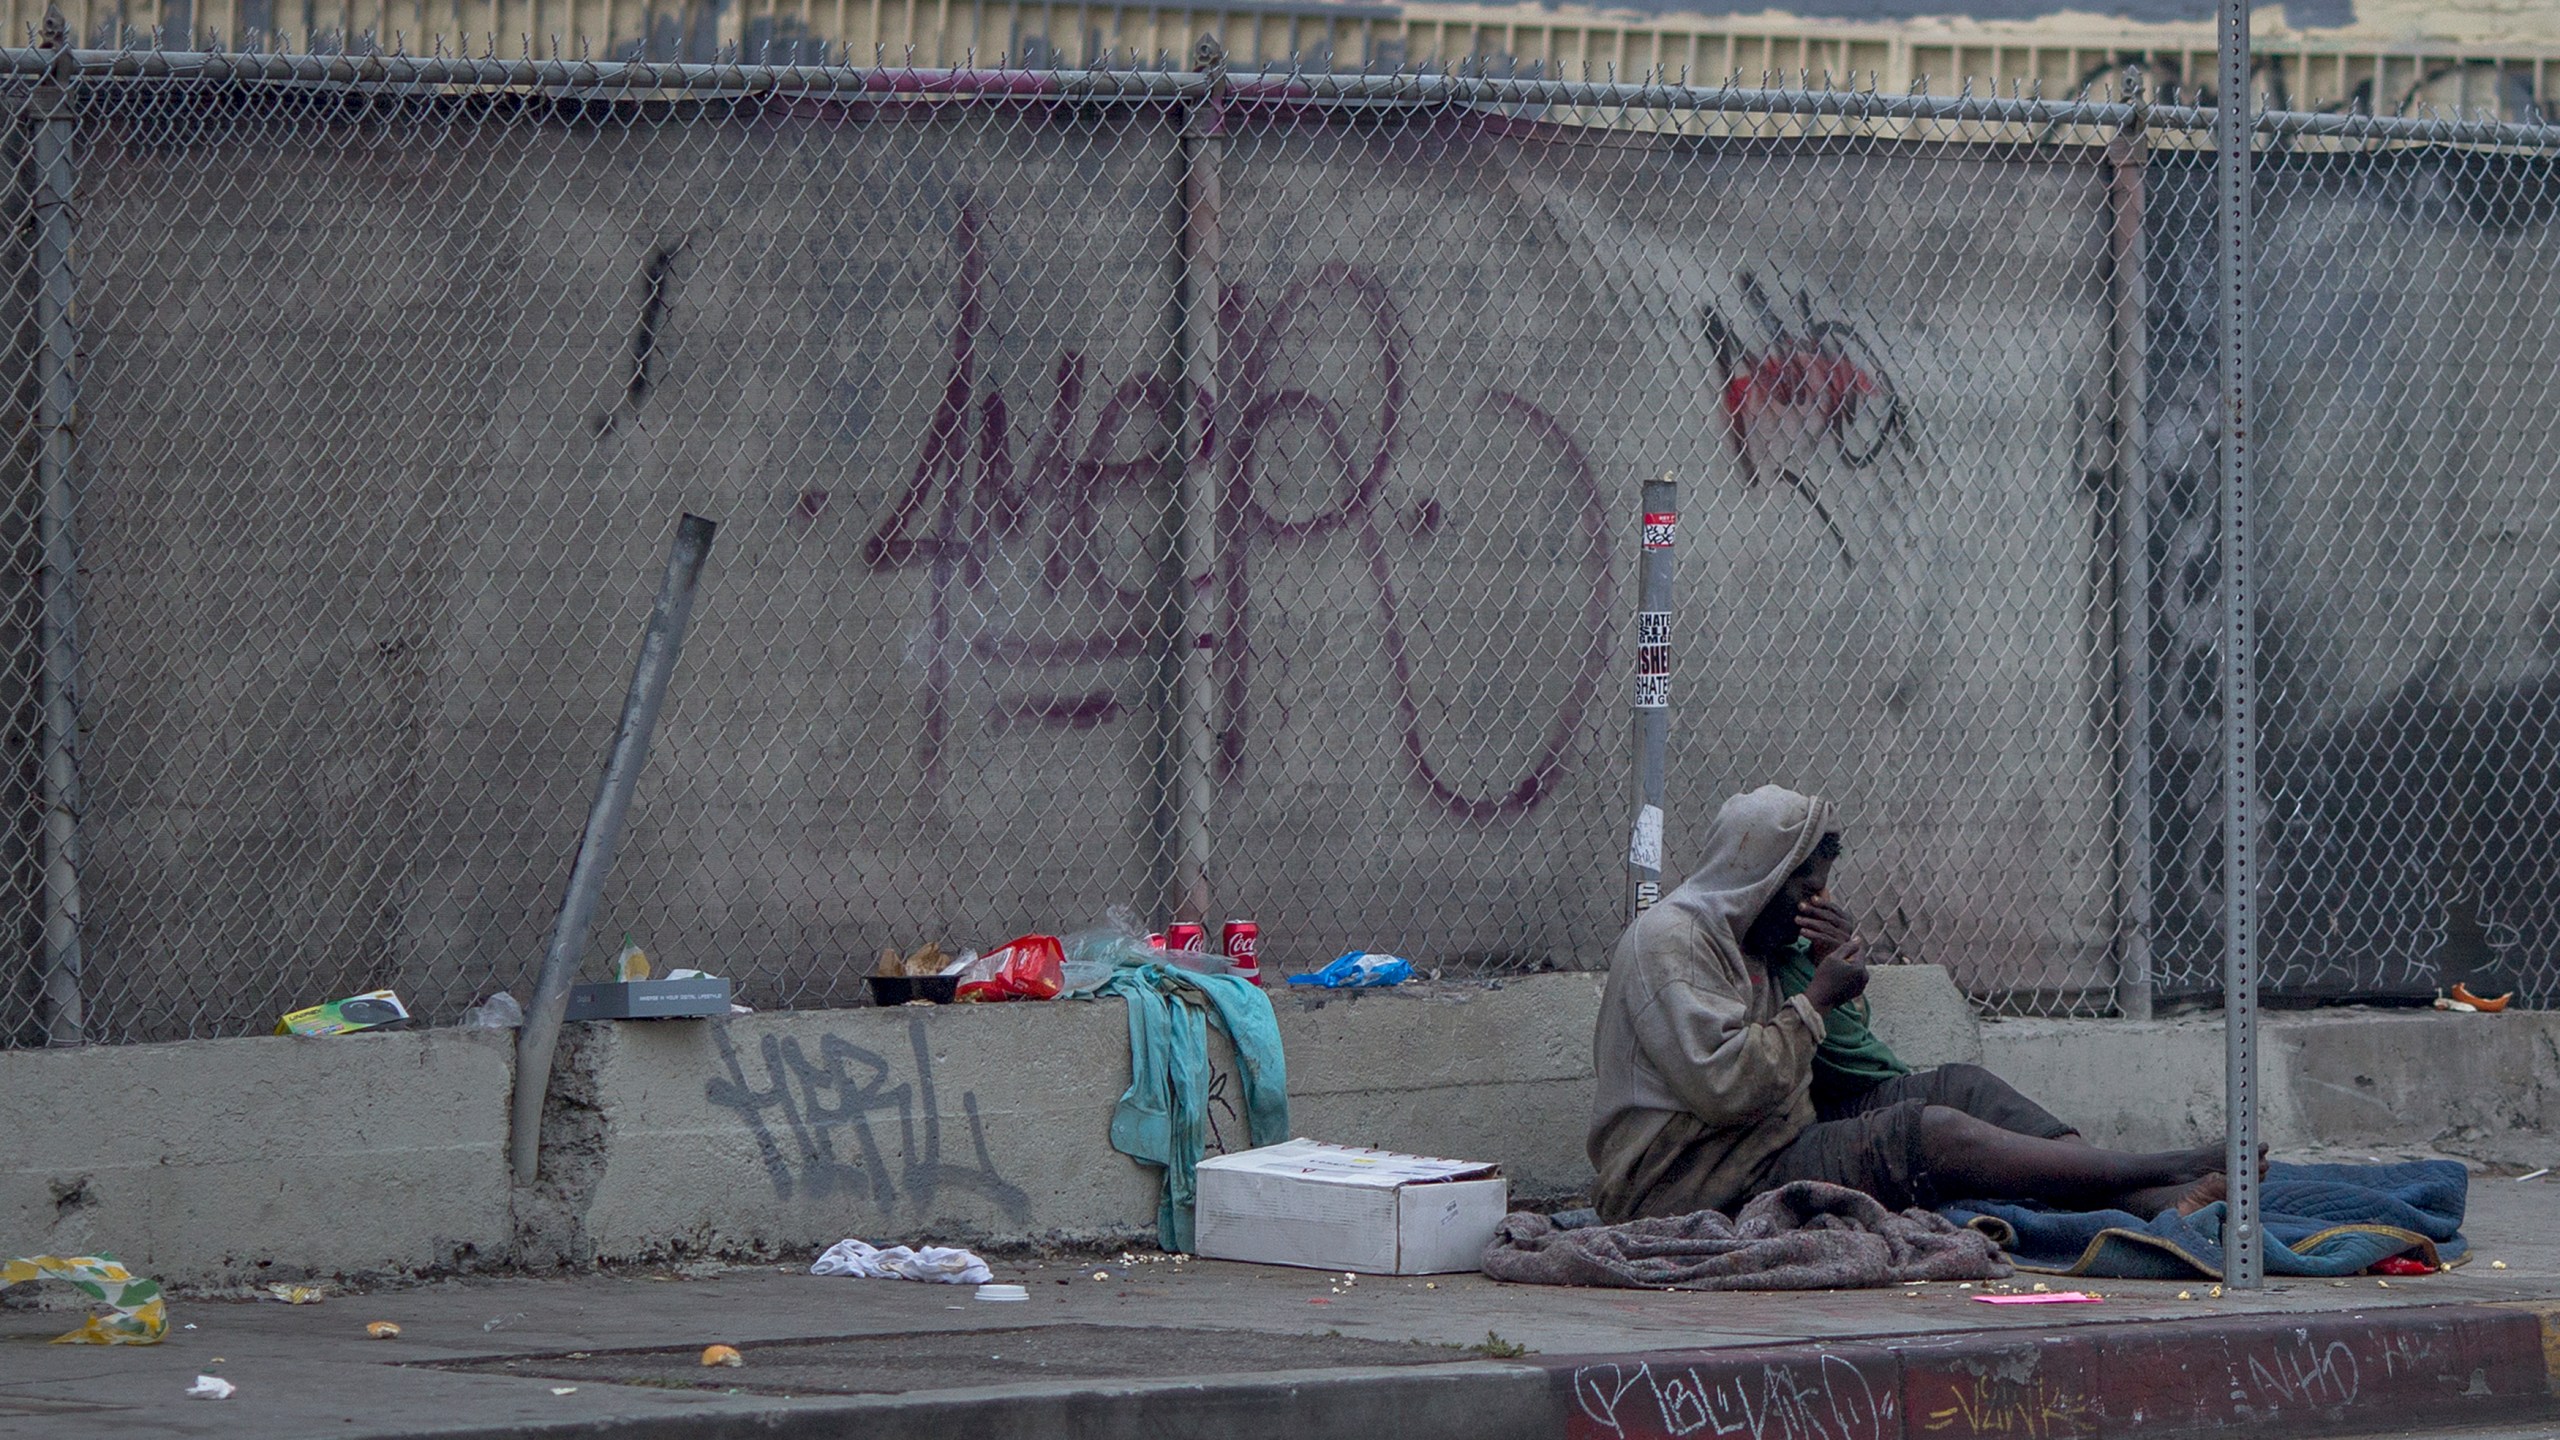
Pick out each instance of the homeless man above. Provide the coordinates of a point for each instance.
(1732, 1058)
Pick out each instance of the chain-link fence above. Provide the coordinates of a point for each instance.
(1143, 486)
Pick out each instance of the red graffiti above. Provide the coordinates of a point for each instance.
(967, 494)
(1810, 386)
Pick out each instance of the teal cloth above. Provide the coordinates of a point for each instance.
(1162, 1119)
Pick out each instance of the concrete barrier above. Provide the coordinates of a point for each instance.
(235, 1160)
(2482, 1087)
(785, 1131)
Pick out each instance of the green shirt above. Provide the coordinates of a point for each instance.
(1850, 1061)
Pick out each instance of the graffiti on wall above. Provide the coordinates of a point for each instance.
(847, 1122)
(1794, 386)
(980, 485)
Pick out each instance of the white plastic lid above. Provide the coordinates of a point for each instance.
(1003, 1292)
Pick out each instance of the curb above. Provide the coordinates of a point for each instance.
(2319, 1375)
(2331, 1374)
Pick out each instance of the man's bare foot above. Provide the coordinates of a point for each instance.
(2216, 1186)
(2186, 1199)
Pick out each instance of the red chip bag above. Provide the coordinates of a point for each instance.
(1028, 967)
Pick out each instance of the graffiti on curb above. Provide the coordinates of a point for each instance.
(1820, 1398)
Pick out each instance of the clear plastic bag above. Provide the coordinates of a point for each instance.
(1091, 955)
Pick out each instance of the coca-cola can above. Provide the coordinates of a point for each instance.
(1241, 940)
(1183, 935)
(1155, 939)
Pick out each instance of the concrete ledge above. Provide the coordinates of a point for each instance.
(2485, 1087)
(791, 1130)
(229, 1160)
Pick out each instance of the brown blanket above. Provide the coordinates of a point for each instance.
(1802, 1236)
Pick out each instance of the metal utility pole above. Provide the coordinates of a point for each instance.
(2244, 1261)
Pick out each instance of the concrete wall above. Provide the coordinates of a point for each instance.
(238, 1161)
(792, 1131)
(233, 1159)
(386, 424)
(2486, 1088)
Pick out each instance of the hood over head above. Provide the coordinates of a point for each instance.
(1757, 841)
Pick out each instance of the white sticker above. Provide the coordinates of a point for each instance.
(1653, 692)
(1644, 849)
(1648, 894)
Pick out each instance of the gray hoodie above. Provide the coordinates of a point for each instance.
(1703, 1072)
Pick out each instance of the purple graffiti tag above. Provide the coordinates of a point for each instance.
(966, 495)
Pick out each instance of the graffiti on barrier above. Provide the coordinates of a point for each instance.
(846, 1123)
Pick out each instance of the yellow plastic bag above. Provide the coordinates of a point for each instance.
(140, 1317)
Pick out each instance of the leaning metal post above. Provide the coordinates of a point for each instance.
(2244, 1262)
(57, 415)
(622, 765)
(1652, 696)
(1195, 524)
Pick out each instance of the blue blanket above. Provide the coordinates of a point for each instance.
(2319, 1219)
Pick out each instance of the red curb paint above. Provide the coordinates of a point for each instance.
(2270, 1375)
(1839, 1392)
(2035, 1385)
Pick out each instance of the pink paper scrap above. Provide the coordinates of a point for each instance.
(2058, 1297)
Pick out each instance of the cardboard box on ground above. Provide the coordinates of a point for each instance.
(1339, 1207)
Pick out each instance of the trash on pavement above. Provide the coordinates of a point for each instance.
(297, 1294)
(1003, 1292)
(211, 1387)
(1337, 1207)
(935, 1263)
(1027, 967)
(2058, 1297)
(498, 1012)
(630, 963)
(2533, 1175)
(722, 1355)
(383, 1330)
(373, 1010)
(2403, 1265)
(141, 1317)
(1358, 970)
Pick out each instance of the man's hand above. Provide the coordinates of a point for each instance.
(1840, 963)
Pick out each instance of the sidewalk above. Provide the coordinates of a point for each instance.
(1155, 1347)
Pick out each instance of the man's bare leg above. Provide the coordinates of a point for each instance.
(1974, 1159)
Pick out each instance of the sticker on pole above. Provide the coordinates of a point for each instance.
(1653, 659)
(1660, 527)
(1644, 847)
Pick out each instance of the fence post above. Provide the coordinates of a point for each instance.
(1652, 694)
(2244, 1261)
(57, 418)
(659, 646)
(1194, 527)
(2128, 158)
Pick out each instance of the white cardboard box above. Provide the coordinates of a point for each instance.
(1336, 1207)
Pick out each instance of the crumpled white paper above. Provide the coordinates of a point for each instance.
(211, 1387)
(935, 1263)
